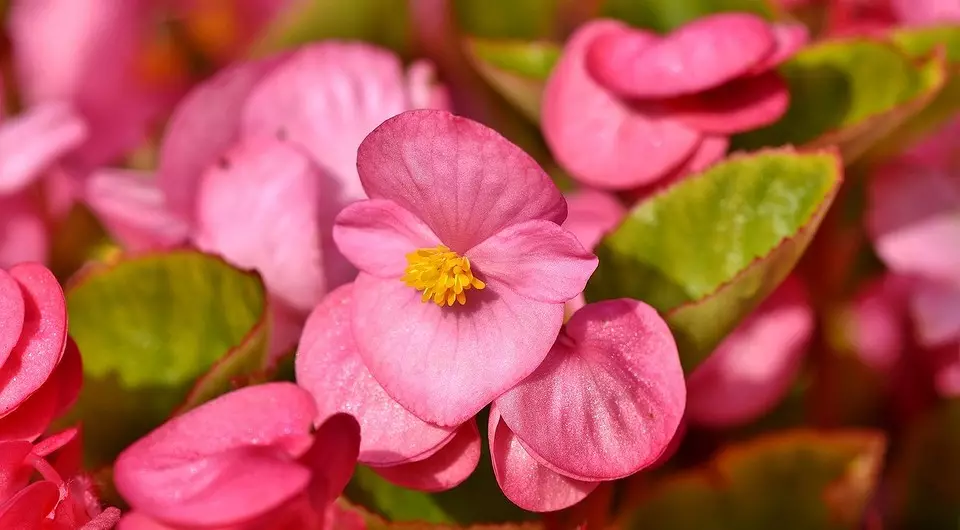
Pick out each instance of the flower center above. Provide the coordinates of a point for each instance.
(443, 275)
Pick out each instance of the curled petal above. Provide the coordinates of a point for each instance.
(28, 508)
(443, 470)
(332, 458)
(11, 314)
(31, 142)
(742, 105)
(32, 417)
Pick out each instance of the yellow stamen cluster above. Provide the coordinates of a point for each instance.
(443, 275)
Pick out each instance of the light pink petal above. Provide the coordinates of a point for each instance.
(329, 367)
(742, 105)
(591, 214)
(913, 216)
(877, 325)
(919, 12)
(790, 38)
(32, 141)
(327, 97)
(935, 306)
(23, 231)
(27, 509)
(332, 458)
(261, 210)
(445, 469)
(376, 235)
(608, 398)
(11, 314)
(43, 338)
(535, 259)
(526, 482)
(752, 369)
(601, 140)
(462, 179)
(204, 125)
(424, 90)
(133, 209)
(444, 364)
(698, 56)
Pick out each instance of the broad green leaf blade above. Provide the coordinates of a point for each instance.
(706, 251)
(666, 15)
(148, 327)
(507, 19)
(517, 69)
(798, 479)
(850, 93)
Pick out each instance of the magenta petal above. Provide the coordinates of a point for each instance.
(462, 179)
(139, 521)
(329, 367)
(698, 56)
(204, 125)
(790, 38)
(601, 140)
(332, 458)
(444, 364)
(608, 398)
(261, 210)
(376, 235)
(535, 259)
(523, 480)
(43, 338)
(752, 369)
(11, 314)
(27, 509)
(133, 209)
(32, 141)
(443, 470)
(742, 105)
(935, 307)
(23, 231)
(591, 214)
(12, 457)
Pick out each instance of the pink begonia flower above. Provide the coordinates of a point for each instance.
(239, 461)
(753, 368)
(464, 268)
(395, 443)
(877, 322)
(625, 108)
(591, 214)
(604, 404)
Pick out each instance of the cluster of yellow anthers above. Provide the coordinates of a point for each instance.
(443, 275)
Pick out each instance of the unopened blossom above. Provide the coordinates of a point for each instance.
(464, 268)
(246, 460)
(591, 214)
(625, 107)
(751, 371)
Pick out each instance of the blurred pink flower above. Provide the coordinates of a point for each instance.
(625, 108)
(464, 268)
(590, 215)
(605, 403)
(243, 460)
(863, 17)
(753, 368)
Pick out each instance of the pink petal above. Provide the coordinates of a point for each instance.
(224, 462)
(741, 105)
(204, 125)
(133, 209)
(11, 314)
(139, 521)
(425, 92)
(329, 367)
(465, 181)
(23, 231)
(535, 259)
(105, 520)
(920, 12)
(601, 140)
(43, 338)
(523, 480)
(32, 141)
(32, 417)
(27, 509)
(12, 466)
(591, 214)
(327, 97)
(332, 458)
(376, 235)
(444, 364)
(789, 38)
(935, 306)
(699, 56)
(752, 369)
(445, 469)
(608, 398)
(261, 210)
(878, 317)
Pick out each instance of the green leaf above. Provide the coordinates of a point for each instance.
(507, 19)
(517, 69)
(706, 251)
(148, 327)
(666, 15)
(849, 93)
(800, 479)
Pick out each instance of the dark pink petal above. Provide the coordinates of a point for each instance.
(329, 367)
(32, 141)
(790, 38)
(133, 209)
(11, 314)
(947, 374)
(332, 458)
(699, 56)
(601, 140)
(935, 307)
(462, 179)
(261, 210)
(710, 151)
(204, 125)
(13, 473)
(444, 364)
(443, 470)
(43, 338)
(376, 235)
(607, 399)
(56, 442)
(741, 105)
(535, 259)
(752, 369)
(27, 509)
(32, 417)
(23, 231)
(526, 482)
